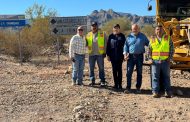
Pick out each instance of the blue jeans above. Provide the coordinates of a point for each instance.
(100, 62)
(160, 69)
(134, 59)
(78, 67)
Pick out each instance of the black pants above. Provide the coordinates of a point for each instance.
(117, 73)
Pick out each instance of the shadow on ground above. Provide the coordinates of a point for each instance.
(185, 91)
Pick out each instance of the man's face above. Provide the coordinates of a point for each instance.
(135, 29)
(159, 31)
(94, 28)
(116, 30)
(80, 32)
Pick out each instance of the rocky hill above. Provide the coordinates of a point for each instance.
(103, 16)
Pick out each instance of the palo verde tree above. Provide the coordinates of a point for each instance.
(37, 37)
(37, 11)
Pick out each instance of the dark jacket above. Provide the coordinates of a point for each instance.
(115, 46)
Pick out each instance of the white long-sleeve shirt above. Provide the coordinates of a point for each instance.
(77, 45)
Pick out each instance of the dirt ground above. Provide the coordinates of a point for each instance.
(43, 93)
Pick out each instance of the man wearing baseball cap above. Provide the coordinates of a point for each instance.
(114, 52)
(77, 50)
(96, 42)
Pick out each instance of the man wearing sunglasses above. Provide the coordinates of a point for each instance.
(77, 50)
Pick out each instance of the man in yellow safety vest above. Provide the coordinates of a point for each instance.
(161, 53)
(96, 42)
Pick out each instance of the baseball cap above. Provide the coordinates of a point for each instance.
(116, 26)
(94, 23)
(80, 28)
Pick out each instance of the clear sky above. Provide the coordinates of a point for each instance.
(78, 7)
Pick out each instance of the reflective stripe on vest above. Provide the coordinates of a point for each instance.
(160, 50)
(100, 40)
(160, 54)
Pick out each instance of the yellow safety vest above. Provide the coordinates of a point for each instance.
(100, 40)
(160, 50)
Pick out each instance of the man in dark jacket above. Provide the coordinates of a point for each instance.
(114, 53)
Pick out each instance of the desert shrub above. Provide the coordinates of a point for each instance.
(124, 23)
(33, 38)
(148, 30)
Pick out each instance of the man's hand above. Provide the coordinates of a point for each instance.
(104, 55)
(150, 61)
(169, 60)
(108, 58)
(126, 57)
(72, 59)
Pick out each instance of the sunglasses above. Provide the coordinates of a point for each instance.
(80, 29)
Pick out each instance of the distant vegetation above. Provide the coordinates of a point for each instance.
(36, 38)
(148, 30)
(37, 11)
(124, 23)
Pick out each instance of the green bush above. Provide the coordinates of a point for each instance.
(124, 23)
(148, 30)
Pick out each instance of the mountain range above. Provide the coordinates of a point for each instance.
(103, 16)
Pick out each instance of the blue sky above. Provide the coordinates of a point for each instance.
(78, 7)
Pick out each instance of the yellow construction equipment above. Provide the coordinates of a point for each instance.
(174, 16)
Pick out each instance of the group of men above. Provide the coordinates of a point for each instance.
(118, 48)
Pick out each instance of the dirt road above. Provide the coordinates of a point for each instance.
(32, 93)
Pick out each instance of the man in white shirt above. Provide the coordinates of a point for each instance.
(77, 50)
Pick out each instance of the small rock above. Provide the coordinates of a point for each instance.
(36, 113)
(177, 72)
(66, 72)
(180, 113)
(110, 93)
(78, 108)
(70, 68)
(50, 118)
(22, 72)
(79, 115)
(8, 72)
(101, 106)
(88, 103)
(134, 103)
(180, 108)
(186, 110)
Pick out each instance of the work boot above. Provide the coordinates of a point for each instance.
(162, 94)
(120, 87)
(155, 95)
(138, 90)
(80, 83)
(102, 84)
(73, 82)
(92, 83)
(127, 91)
(115, 87)
(168, 95)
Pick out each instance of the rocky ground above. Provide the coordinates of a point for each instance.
(43, 93)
